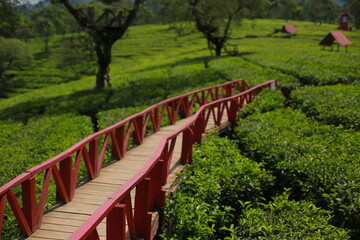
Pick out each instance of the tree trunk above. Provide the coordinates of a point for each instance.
(104, 34)
(103, 52)
(218, 48)
(218, 42)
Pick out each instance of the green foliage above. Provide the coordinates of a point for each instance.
(355, 10)
(112, 116)
(266, 101)
(318, 162)
(285, 9)
(39, 140)
(58, 17)
(75, 54)
(337, 105)
(9, 19)
(154, 62)
(214, 18)
(232, 68)
(13, 53)
(44, 28)
(162, 81)
(24, 146)
(301, 56)
(285, 219)
(207, 198)
(322, 10)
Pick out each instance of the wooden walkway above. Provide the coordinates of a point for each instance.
(62, 221)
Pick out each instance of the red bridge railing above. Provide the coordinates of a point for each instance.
(148, 183)
(29, 206)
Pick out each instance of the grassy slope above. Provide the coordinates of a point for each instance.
(153, 57)
(153, 51)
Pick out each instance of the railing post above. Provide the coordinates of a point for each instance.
(138, 132)
(93, 155)
(2, 211)
(187, 143)
(229, 89)
(157, 120)
(119, 135)
(233, 112)
(66, 175)
(116, 223)
(199, 128)
(158, 193)
(28, 189)
(186, 106)
(142, 216)
(19, 214)
(115, 146)
(243, 86)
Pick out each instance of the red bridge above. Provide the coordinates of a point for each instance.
(122, 200)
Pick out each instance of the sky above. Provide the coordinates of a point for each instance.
(30, 1)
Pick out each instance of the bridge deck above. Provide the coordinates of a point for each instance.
(62, 221)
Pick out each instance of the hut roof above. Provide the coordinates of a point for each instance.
(289, 28)
(335, 36)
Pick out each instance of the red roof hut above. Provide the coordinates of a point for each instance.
(335, 36)
(288, 28)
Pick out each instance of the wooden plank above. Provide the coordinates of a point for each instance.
(79, 208)
(51, 235)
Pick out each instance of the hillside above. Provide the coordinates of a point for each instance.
(49, 108)
(155, 57)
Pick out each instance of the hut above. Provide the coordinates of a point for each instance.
(335, 37)
(289, 28)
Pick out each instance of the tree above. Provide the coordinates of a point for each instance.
(286, 9)
(354, 8)
(13, 53)
(9, 19)
(60, 18)
(105, 30)
(214, 17)
(74, 54)
(176, 13)
(322, 10)
(44, 28)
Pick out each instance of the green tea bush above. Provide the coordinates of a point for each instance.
(157, 84)
(337, 105)
(112, 116)
(142, 89)
(24, 146)
(207, 196)
(302, 58)
(285, 219)
(267, 100)
(235, 67)
(86, 102)
(318, 162)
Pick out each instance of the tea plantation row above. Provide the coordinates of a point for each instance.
(312, 174)
(225, 195)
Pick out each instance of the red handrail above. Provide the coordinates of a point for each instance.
(149, 181)
(64, 167)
